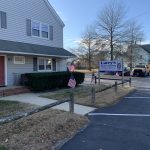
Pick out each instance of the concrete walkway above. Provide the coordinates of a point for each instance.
(33, 98)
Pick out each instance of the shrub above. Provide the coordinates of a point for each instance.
(3, 148)
(49, 80)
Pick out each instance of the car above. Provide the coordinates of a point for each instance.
(126, 72)
(140, 71)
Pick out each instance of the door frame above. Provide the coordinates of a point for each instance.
(5, 67)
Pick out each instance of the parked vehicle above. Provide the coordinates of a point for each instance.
(140, 70)
(126, 72)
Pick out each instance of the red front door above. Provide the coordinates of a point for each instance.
(2, 71)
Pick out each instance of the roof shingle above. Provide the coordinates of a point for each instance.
(146, 47)
(32, 49)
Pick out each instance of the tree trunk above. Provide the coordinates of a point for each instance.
(111, 51)
(131, 59)
(89, 57)
(111, 45)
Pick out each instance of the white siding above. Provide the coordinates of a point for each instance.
(143, 56)
(20, 10)
(15, 70)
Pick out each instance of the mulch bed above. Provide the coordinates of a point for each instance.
(40, 131)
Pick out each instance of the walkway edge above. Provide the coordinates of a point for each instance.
(61, 143)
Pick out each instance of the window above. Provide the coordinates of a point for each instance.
(48, 64)
(40, 29)
(41, 64)
(44, 64)
(19, 60)
(35, 29)
(44, 31)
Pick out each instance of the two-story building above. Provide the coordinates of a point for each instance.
(31, 39)
(141, 54)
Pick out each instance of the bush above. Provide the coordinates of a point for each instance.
(3, 148)
(49, 80)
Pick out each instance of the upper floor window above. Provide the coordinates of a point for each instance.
(40, 29)
(44, 31)
(35, 29)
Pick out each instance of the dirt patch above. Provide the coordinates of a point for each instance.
(83, 95)
(40, 131)
(11, 107)
(106, 97)
(81, 91)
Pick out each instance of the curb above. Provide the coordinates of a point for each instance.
(61, 143)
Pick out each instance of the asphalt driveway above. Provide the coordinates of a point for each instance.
(124, 126)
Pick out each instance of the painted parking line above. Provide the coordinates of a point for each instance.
(143, 89)
(137, 97)
(125, 115)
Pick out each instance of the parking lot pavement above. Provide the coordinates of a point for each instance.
(124, 126)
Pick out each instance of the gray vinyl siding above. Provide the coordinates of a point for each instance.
(61, 64)
(18, 11)
(14, 70)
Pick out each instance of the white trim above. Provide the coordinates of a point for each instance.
(125, 115)
(19, 63)
(13, 52)
(52, 11)
(6, 71)
(40, 29)
(5, 67)
(48, 30)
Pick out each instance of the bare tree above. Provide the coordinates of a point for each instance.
(134, 35)
(87, 44)
(110, 24)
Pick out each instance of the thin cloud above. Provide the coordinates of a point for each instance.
(62, 16)
(69, 42)
(146, 42)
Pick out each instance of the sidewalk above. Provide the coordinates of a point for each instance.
(33, 98)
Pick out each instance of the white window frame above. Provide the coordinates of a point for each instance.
(40, 23)
(21, 62)
(45, 58)
(33, 21)
(5, 66)
(41, 30)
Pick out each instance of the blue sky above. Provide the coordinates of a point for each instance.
(77, 14)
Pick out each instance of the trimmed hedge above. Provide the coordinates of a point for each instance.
(49, 80)
(3, 148)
